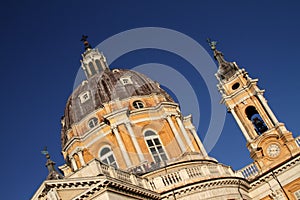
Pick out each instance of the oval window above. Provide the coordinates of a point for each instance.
(235, 86)
(138, 104)
(93, 122)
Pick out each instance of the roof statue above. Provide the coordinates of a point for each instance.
(212, 44)
(226, 69)
(53, 174)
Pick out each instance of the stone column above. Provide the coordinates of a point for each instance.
(240, 125)
(82, 162)
(122, 146)
(177, 136)
(73, 163)
(202, 149)
(135, 142)
(269, 111)
(185, 134)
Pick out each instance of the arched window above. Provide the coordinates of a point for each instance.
(93, 122)
(259, 125)
(106, 90)
(98, 65)
(92, 69)
(155, 146)
(107, 157)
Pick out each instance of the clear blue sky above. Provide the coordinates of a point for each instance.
(40, 53)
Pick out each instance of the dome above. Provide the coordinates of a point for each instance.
(103, 88)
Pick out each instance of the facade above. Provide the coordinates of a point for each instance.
(123, 137)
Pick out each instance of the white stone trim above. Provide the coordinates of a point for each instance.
(245, 133)
(122, 147)
(246, 87)
(185, 134)
(135, 142)
(73, 163)
(268, 110)
(202, 149)
(82, 162)
(176, 134)
(85, 136)
(98, 138)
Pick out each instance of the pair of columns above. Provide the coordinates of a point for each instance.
(81, 160)
(122, 146)
(184, 133)
(174, 130)
(124, 152)
(269, 112)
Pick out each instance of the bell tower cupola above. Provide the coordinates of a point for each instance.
(93, 61)
(268, 140)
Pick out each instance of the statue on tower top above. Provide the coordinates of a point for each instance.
(212, 44)
(226, 69)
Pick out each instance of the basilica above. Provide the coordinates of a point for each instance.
(123, 137)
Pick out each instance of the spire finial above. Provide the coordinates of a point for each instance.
(226, 69)
(53, 174)
(85, 42)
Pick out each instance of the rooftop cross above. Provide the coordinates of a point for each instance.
(85, 42)
(84, 38)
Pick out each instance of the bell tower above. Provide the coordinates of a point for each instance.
(268, 140)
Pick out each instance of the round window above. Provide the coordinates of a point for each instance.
(235, 86)
(93, 122)
(138, 104)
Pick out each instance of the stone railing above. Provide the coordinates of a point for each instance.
(161, 180)
(123, 175)
(297, 139)
(96, 168)
(248, 172)
(105, 169)
(189, 174)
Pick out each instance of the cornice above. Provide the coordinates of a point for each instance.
(262, 178)
(207, 185)
(94, 185)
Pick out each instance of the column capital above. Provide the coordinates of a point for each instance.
(76, 151)
(79, 149)
(169, 115)
(127, 123)
(122, 146)
(185, 134)
(134, 140)
(176, 134)
(113, 126)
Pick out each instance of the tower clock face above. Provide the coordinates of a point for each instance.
(273, 150)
